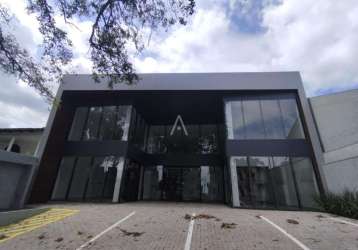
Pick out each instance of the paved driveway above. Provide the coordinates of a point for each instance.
(144, 225)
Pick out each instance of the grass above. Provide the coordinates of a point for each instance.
(345, 204)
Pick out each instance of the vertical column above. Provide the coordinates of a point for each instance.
(11, 143)
(234, 183)
(117, 186)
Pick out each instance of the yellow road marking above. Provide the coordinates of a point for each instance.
(36, 221)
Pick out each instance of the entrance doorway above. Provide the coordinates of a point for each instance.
(183, 183)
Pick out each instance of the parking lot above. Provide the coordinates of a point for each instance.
(159, 225)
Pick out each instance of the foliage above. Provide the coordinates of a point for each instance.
(116, 25)
(345, 204)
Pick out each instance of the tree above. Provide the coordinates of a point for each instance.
(116, 25)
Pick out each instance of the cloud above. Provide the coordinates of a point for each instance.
(299, 35)
(318, 38)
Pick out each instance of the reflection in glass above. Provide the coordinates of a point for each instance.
(130, 181)
(156, 144)
(153, 183)
(272, 118)
(292, 123)
(208, 141)
(191, 184)
(78, 123)
(276, 182)
(263, 117)
(306, 181)
(79, 179)
(238, 120)
(261, 182)
(285, 191)
(254, 127)
(211, 183)
(108, 124)
(92, 127)
(96, 180)
(92, 178)
(100, 123)
(63, 178)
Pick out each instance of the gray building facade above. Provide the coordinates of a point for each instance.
(244, 139)
(336, 118)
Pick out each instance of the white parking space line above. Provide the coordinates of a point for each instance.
(105, 231)
(343, 221)
(190, 233)
(299, 243)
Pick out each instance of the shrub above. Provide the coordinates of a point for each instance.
(345, 204)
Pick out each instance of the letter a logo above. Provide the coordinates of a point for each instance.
(178, 125)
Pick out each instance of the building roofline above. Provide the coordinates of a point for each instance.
(189, 81)
(20, 130)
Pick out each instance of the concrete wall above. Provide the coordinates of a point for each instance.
(16, 172)
(336, 118)
(27, 141)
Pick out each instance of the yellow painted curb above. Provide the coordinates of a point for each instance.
(36, 221)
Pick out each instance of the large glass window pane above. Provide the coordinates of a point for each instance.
(130, 181)
(191, 184)
(238, 120)
(108, 123)
(285, 191)
(78, 123)
(153, 183)
(211, 183)
(92, 126)
(306, 181)
(261, 181)
(156, 142)
(63, 178)
(291, 118)
(272, 118)
(254, 126)
(235, 119)
(80, 177)
(208, 140)
(96, 180)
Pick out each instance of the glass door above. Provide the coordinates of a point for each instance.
(172, 184)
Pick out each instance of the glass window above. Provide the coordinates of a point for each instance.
(208, 140)
(100, 123)
(63, 178)
(153, 183)
(79, 179)
(254, 126)
(261, 182)
(78, 123)
(156, 143)
(306, 181)
(191, 184)
(96, 180)
(92, 127)
(263, 117)
(211, 183)
(291, 118)
(238, 120)
(108, 123)
(285, 191)
(272, 118)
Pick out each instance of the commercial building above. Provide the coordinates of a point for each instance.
(244, 139)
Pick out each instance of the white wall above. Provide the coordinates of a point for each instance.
(336, 118)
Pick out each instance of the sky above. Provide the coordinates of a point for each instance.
(318, 38)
